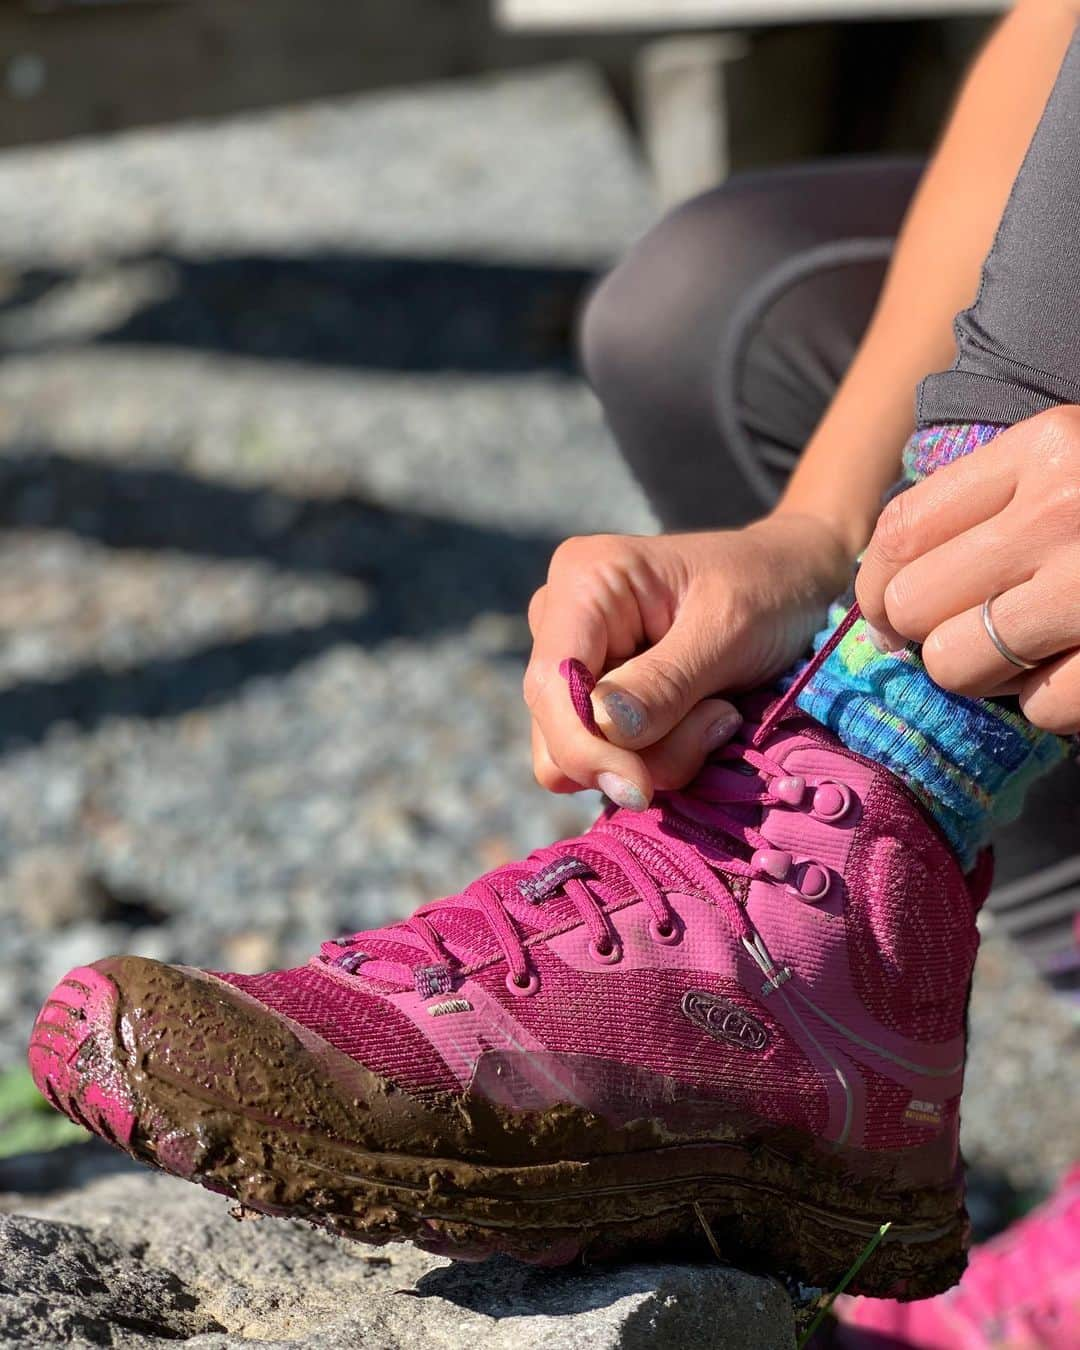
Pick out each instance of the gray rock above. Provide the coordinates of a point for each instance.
(49, 889)
(63, 1285)
(138, 1260)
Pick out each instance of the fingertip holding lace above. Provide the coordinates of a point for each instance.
(622, 792)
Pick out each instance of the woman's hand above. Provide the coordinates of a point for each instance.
(1004, 521)
(668, 622)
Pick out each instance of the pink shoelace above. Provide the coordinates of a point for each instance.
(625, 852)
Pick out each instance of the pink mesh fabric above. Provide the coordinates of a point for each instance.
(911, 936)
(466, 936)
(892, 1122)
(359, 1024)
(636, 1019)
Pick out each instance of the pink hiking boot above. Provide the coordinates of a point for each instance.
(745, 1004)
(1021, 1291)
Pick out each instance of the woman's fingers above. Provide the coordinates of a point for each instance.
(676, 759)
(585, 759)
(570, 620)
(537, 606)
(566, 625)
(570, 626)
(987, 559)
(671, 763)
(646, 698)
(546, 772)
(1050, 696)
(600, 604)
(1037, 621)
(952, 501)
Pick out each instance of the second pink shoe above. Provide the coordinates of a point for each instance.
(1021, 1291)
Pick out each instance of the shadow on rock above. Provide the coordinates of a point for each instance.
(501, 1288)
(427, 576)
(63, 1169)
(63, 1285)
(358, 310)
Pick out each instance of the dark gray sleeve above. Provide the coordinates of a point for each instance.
(1018, 346)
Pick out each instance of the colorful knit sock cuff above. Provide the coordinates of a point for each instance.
(934, 447)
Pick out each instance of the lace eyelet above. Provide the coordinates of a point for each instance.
(813, 883)
(832, 801)
(605, 956)
(350, 962)
(667, 935)
(531, 985)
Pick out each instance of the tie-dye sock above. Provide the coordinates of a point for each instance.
(970, 761)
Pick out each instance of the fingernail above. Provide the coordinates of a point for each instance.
(876, 639)
(625, 714)
(718, 733)
(622, 792)
(882, 643)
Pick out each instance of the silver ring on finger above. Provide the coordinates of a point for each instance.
(995, 637)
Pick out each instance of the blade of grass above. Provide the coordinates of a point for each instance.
(28, 1124)
(860, 1261)
(18, 1094)
(709, 1233)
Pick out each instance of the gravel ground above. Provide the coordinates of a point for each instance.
(288, 428)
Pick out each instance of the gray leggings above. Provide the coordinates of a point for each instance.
(716, 345)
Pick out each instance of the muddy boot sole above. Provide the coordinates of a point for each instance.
(777, 1205)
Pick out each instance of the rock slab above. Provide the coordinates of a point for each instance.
(141, 1260)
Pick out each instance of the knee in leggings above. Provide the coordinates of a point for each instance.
(648, 311)
(608, 327)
